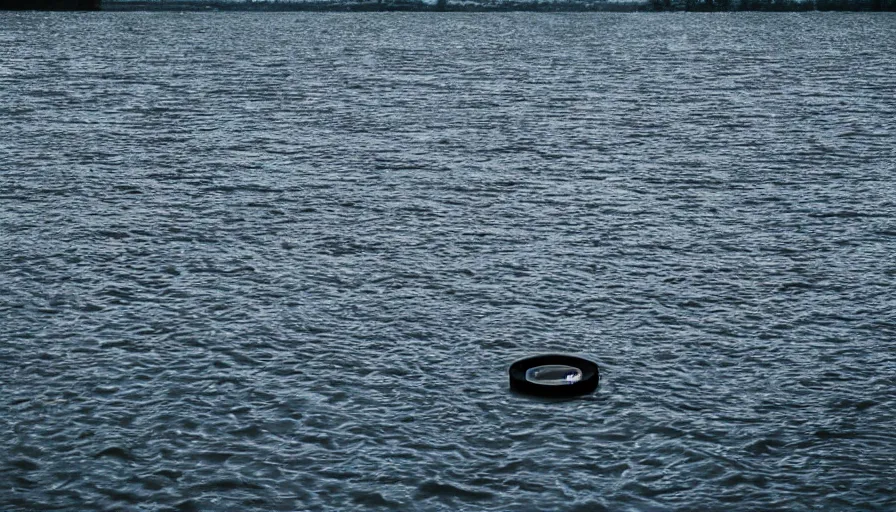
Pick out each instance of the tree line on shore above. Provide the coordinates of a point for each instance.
(772, 5)
(489, 5)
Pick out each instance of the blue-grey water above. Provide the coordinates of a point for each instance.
(255, 262)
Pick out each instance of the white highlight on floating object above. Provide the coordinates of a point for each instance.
(554, 375)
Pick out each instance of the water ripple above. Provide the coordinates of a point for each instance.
(281, 262)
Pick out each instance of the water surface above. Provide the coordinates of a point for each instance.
(266, 262)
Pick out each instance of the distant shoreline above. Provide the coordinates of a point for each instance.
(400, 6)
(445, 6)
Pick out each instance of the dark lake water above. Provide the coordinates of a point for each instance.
(254, 262)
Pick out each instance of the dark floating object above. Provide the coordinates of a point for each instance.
(554, 375)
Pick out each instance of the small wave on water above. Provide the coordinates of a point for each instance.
(282, 262)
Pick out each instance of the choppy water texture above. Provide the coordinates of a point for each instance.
(283, 261)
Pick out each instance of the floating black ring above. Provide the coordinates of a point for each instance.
(554, 375)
